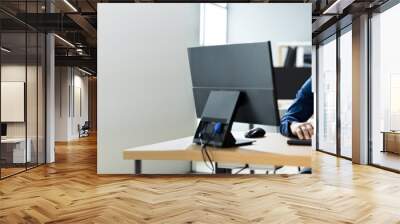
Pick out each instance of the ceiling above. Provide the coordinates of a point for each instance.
(331, 15)
(76, 22)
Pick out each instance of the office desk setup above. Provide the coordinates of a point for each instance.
(13, 150)
(391, 141)
(269, 150)
(248, 96)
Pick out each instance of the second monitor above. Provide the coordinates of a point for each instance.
(232, 83)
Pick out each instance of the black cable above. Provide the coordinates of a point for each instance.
(205, 140)
(209, 159)
(204, 150)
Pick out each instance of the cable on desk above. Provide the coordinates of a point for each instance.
(204, 152)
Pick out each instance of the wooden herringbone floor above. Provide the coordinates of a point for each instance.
(69, 191)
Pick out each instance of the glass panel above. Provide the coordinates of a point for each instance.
(346, 94)
(224, 5)
(31, 100)
(385, 84)
(327, 97)
(31, 88)
(41, 98)
(22, 89)
(13, 87)
(213, 24)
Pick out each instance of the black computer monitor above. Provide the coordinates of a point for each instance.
(291, 56)
(3, 129)
(232, 83)
(288, 81)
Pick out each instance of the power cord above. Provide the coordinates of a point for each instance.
(205, 139)
(204, 152)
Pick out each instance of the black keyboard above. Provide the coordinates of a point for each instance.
(299, 142)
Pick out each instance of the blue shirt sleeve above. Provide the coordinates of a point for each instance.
(300, 111)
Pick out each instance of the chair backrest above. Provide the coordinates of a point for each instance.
(86, 124)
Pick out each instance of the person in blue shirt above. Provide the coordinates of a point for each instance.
(294, 122)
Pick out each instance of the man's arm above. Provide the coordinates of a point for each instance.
(300, 111)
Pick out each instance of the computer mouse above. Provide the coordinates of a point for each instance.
(255, 133)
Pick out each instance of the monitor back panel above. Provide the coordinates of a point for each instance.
(244, 67)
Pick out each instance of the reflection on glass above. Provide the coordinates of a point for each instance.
(385, 85)
(22, 90)
(327, 97)
(346, 94)
(41, 98)
(31, 101)
(13, 86)
(394, 101)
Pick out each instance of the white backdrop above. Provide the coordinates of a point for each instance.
(12, 101)
(278, 23)
(144, 86)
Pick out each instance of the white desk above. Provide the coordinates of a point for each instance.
(269, 150)
(18, 150)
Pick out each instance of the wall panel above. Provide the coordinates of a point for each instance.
(144, 94)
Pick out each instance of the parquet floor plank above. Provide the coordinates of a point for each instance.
(70, 191)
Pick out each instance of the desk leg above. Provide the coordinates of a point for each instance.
(384, 143)
(138, 166)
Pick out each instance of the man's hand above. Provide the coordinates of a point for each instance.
(303, 130)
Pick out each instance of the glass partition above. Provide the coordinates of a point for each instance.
(31, 99)
(385, 90)
(22, 63)
(41, 97)
(346, 93)
(327, 96)
(14, 153)
(213, 23)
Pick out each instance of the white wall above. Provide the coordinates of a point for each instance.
(66, 121)
(61, 103)
(81, 108)
(278, 23)
(15, 73)
(144, 86)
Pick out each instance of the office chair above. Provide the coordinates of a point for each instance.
(84, 130)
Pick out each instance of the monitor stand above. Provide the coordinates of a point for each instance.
(225, 139)
(241, 142)
(217, 118)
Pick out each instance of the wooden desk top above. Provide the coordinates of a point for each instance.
(14, 140)
(270, 150)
